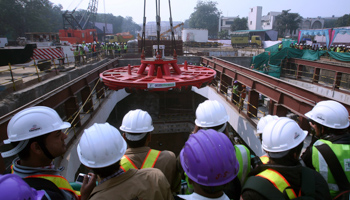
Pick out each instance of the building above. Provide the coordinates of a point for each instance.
(267, 22)
(225, 23)
(254, 18)
(151, 28)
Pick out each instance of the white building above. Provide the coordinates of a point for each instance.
(151, 28)
(225, 23)
(268, 21)
(254, 18)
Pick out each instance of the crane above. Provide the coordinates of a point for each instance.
(169, 30)
(79, 31)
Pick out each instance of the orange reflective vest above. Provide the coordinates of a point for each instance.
(278, 181)
(59, 181)
(149, 162)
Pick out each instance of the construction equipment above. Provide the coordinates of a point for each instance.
(169, 30)
(79, 31)
(158, 73)
(245, 40)
(119, 37)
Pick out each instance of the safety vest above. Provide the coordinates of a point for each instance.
(59, 181)
(278, 181)
(243, 157)
(264, 159)
(319, 163)
(149, 162)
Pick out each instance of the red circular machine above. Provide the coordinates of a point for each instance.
(158, 74)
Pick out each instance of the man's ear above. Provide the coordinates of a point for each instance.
(35, 148)
(124, 136)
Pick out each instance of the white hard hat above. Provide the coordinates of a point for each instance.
(264, 121)
(101, 145)
(137, 121)
(211, 113)
(330, 113)
(281, 135)
(33, 122)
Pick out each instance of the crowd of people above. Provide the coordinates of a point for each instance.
(340, 48)
(123, 166)
(84, 51)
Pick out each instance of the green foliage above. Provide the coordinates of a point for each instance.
(287, 22)
(330, 23)
(343, 21)
(239, 24)
(18, 17)
(223, 34)
(130, 26)
(206, 16)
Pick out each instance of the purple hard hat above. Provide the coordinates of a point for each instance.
(209, 159)
(12, 187)
(235, 82)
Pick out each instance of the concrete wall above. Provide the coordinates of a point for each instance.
(22, 97)
(243, 61)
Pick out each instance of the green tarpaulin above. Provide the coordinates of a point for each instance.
(271, 59)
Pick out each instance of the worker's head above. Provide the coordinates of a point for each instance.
(283, 139)
(100, 148)
(211, 114)
(328, 117)
(136, 128)
(13, 187)
(264, 121)
(209, 160)
(36, 132)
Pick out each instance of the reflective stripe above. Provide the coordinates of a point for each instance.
(243, 157)
(149, 162)
(278, 181)
(150, 159)
(59, 181)
(264, 159)
(126, 164)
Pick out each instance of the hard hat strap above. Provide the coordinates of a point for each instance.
(45, 150)
(21, 145)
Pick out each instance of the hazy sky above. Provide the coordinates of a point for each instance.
(181, 9)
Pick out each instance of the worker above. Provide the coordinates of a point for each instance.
(76, 54)
(211, 114)
(328, 152)
(136, 128)
(12, 187)
(283, 177)
(125, 47)
(243, 94)
(235, 95)
(36, 134)
(100, 149)
(82, 53)
(280, 46)
(210, 163)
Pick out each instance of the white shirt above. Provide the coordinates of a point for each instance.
(195, 196)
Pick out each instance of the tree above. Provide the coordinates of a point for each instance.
(287, 22)
(223, 34)
(130, 26)
(206, 16)
(239, 24)
(343, 21)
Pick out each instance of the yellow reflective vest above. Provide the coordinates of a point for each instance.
(278, 181)
(149, 162)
